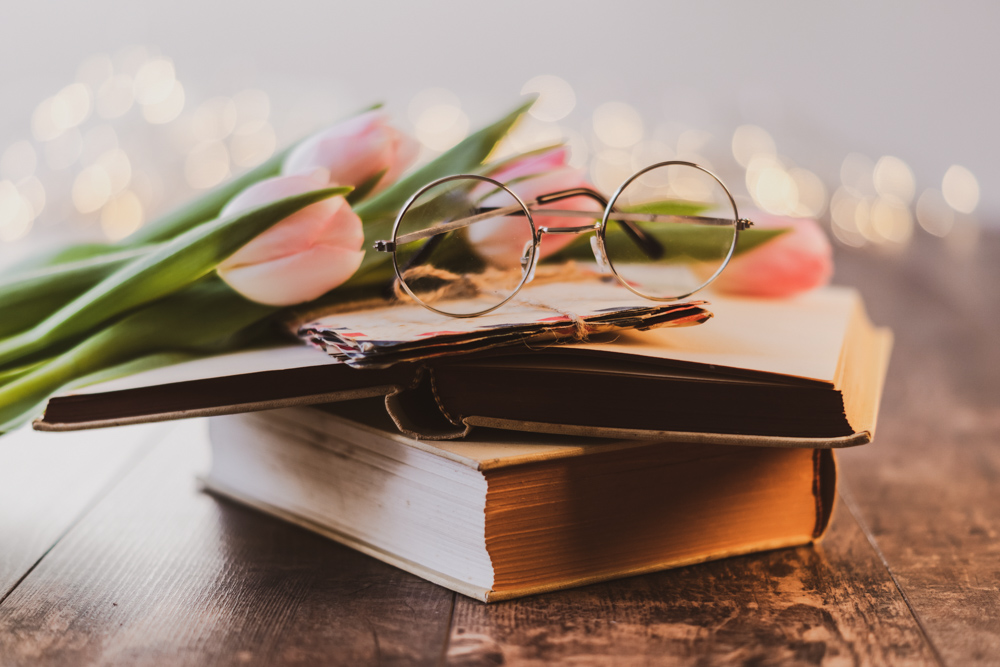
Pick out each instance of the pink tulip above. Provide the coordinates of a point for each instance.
(354, 151)
(533, 164)
(541, 174)
(303, 256)
(798, 260)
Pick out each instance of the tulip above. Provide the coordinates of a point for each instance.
(798, 260)
(529, 178)
(303, 256)
(355, 151)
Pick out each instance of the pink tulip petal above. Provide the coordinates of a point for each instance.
(533, 164)
(794, 262)
(499, 240)
(272, 189)
(296, 278)
(355, 151)
(301, 230)
(305, 255)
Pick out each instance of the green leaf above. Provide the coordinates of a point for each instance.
(29, 297)
(11, 374)
(203, 208)
(379, 212)
(668, 207)
(207, 317)
(168, 268)
(678, 240)
(59, 254)
(364, 189)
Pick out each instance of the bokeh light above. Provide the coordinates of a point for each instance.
(610, 168)
(650, 151)
(252, 106)
(556, 98)
(116, 164)
(16, 214)
(91, 189)
(772, 188)
(154, 81)
(617, 124)
(252, 143)
(438, 119)
(167, 109)
(891, 221)
(846, 210)
(115, 96)
(811, 193)
(122, 215)
(579, 150)
(207, 165)
(50, 118)
(750, 141)
(934, 214)
(893, 178)
(960, 189)
(214, 120)
(34, 193)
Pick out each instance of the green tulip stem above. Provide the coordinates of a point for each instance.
(165, 270)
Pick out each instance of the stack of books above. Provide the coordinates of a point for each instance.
(572, 464)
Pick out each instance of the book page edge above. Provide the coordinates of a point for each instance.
(439, 578)
(765, 545)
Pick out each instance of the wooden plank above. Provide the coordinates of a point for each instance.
(48, 481)
(927, 489)
(159, 573)
(826, 605)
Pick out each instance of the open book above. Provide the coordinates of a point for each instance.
(802, 372)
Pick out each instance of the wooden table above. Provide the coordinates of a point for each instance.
(109, 554)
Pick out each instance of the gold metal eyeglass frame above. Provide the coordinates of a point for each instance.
(648, 243)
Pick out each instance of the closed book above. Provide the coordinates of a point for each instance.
(804, 372)
(505, 514)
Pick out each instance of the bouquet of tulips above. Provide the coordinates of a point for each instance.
(217, 274)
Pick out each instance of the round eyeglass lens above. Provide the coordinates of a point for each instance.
(464, 245)
(671, 230)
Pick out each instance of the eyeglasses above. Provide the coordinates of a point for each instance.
(464, 245)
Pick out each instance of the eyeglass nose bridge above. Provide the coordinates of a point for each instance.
(581, 229)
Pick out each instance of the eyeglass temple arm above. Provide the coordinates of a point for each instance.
(648, 243)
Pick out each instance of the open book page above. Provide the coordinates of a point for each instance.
(799, 337)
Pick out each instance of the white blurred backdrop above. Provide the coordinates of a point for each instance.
(879, 118)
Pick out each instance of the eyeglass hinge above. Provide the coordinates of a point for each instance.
(743, 223)
(385, 246)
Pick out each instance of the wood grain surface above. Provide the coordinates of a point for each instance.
(928, 489)
(832, 604)
(114, 557)
(47, 482)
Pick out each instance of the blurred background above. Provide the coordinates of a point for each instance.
(880, 119)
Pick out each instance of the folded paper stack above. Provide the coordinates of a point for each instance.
(383, 334)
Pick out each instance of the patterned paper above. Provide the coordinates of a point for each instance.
(384, 334)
